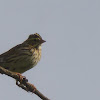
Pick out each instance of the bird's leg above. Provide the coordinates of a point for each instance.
(21, 78)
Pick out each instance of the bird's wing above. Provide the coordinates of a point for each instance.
(10, 53)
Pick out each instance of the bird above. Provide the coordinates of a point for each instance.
(24, 56)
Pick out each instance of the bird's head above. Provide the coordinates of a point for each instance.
(35, 40)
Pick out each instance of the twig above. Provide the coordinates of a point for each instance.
(24, 84)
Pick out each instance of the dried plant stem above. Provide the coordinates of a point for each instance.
(24, 84)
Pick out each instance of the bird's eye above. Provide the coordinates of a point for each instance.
(35, 40)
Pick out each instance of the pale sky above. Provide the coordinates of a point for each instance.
(70, 65)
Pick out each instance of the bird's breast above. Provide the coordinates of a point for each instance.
(36, 55)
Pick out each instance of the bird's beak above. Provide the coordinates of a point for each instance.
(42, 41)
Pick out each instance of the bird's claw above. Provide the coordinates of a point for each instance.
(22, 78)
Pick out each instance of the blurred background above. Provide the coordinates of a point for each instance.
(70, 65)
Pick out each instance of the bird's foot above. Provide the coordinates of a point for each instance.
(21, 78)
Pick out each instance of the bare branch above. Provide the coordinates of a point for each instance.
(24, 84)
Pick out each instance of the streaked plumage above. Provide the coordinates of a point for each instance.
(23, 56)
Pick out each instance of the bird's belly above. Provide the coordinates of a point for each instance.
(26, 64)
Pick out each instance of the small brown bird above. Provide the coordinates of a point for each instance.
(23, 56)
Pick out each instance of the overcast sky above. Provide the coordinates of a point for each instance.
(70, 65)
